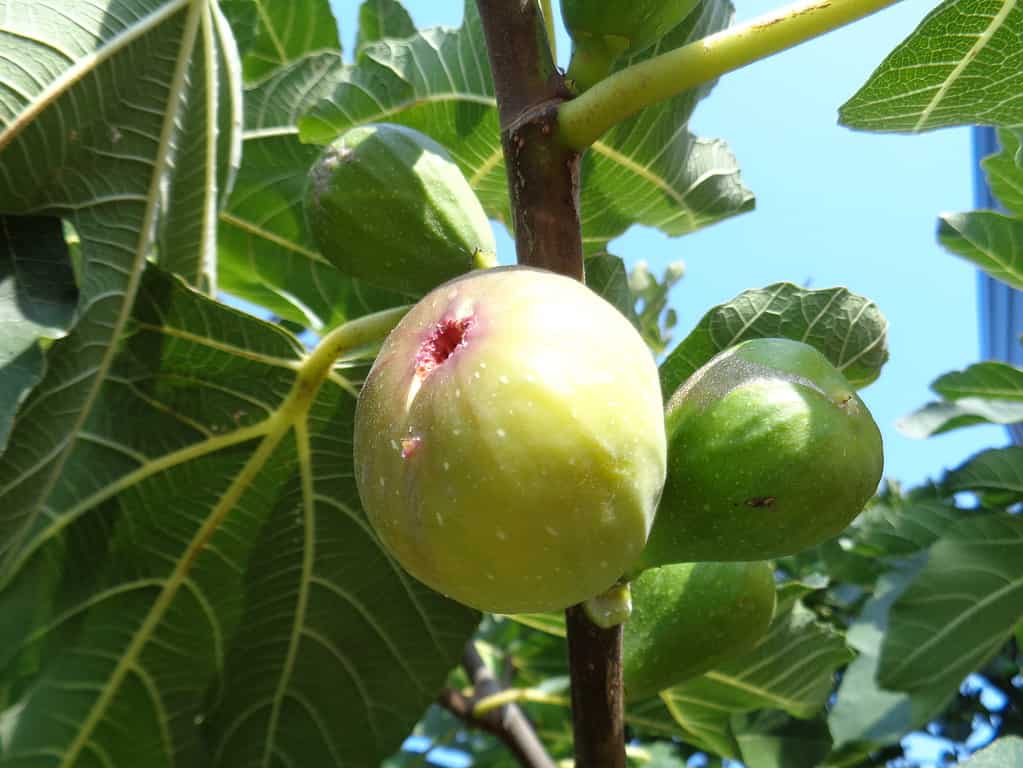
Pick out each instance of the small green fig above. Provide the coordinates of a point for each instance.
(601, 31)
(386, 204)
(509, 441)
(687, 618)
(770, 451)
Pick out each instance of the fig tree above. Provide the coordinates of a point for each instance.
(509, 441)
(386, 204)
(689, 617)
(770, 451)
(601, 31)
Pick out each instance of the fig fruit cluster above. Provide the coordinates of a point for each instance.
(512, 447)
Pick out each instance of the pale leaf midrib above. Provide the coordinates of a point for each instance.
(982, 40)
(150, 468)
(129, 659)
(895, 674)
(146, 234)
(304, 580)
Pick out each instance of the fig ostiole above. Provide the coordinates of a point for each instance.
(690, 617)
(388, 205)
(509, 441)
(770, 451)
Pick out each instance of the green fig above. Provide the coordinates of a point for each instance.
(770, 451)
(602, 31)
(386, 204)
(689, 617)
(509, 441)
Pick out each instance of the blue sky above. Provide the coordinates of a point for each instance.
(834, 207)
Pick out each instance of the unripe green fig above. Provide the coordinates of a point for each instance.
(509, 441)
(602, 31)
(770, 451)
(687, 618)
(386, 204)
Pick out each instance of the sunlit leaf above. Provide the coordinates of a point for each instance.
(287, 32)
(847, 329)
(962, 65)
(379, 19)
(990, 240)
(959, 610)
(91, 129)
(989, 392)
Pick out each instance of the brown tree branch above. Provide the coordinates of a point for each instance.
(543, 182)
(543, 175)
(595, 658)
(507, 723)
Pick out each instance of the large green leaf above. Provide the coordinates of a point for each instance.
(998, 470)
(962, 65)
(267, 255)
(990, 240)
(206, 590)
(959, 610)
(989, 392)
(38, 297)
(648, 170)
(96, 116)
(864, 715)
(847, 329)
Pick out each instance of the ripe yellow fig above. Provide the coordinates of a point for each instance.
(509, 441)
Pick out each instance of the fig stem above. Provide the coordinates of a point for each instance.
(360, 332)
(509, 695)
(610, 608)
(585, 119)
